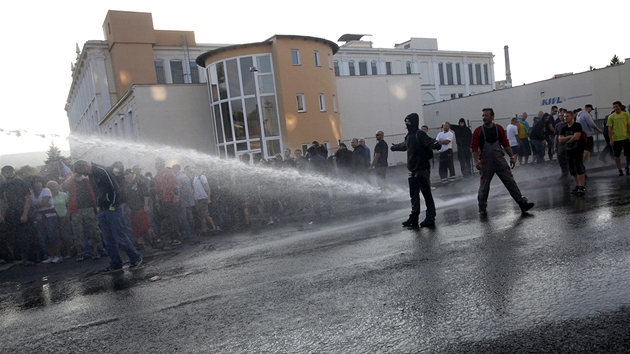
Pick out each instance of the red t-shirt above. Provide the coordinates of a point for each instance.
(166, 185)
(477, 140)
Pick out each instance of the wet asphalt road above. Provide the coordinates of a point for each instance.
(554, 280)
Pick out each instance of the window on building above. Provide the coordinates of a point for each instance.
(388, 67)
(363, 68)
(485, 74)
(316, 57)
(330, 62)
(123, 130)
(458, 73)
(408, 67)
(132, 129)
(159, 72)
(336, 64)
(335, 103)
(194, 72)
(295, 56)
(374, 67)
(441, 73)
(301, 102)
(322, 102)
(449, 73)
(351, 68)
(460, 95)
(177, 71)
(471, 74)
(478, 73)
(453, 96)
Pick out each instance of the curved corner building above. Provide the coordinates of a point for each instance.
(276, 94)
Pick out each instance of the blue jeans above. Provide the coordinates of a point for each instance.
(114, 236)
(187, 220)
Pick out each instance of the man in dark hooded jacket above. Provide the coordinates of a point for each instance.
(463, 137)
(419, 151)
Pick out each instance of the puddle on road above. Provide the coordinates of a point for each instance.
(47, 294)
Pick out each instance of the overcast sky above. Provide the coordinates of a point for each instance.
(545, 38)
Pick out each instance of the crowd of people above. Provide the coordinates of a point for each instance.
(100, 210)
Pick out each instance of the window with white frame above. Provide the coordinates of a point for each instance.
(458, 73)
(301, 102)
(471, 74)
(132, 130)
(322, 102)
(177, 71)
(478, 73)
(295, 57)
(408, 67)
(363, 68)
(336, 65)
(374, 66)
(194, 72)
(316, 58)
(485, 74)
(388, 67)
(351, 68)
(123, 130)
(330, 62)
(441, 73)
(159, 72)
(449, 74)
(335, 103)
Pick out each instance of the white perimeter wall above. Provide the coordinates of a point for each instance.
(381, 102)
(599, 87)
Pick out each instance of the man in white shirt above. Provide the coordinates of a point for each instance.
(445, 138)
(512, 134)
(588, 126)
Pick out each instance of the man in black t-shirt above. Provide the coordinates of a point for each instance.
(571, 135)
(379, 162)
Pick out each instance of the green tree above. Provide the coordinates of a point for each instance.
(615, 61)
(26, 171)
(54, 153)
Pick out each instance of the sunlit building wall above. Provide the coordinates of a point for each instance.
(104, 98)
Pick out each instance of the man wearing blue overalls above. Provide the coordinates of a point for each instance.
(489, 159)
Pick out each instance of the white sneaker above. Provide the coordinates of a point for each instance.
(47, 260)
(57, 260)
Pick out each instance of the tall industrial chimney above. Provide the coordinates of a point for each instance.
(508, 73)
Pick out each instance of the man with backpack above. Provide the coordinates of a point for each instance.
(419, 147)
(488, 156)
